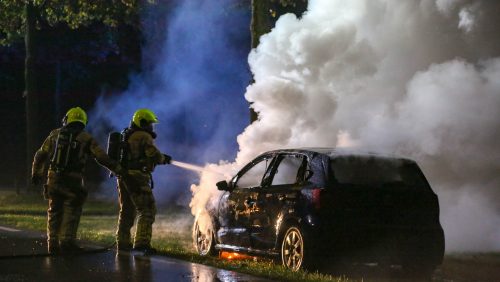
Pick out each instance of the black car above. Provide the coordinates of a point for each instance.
(317, 205)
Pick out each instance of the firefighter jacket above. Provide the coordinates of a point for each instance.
(143, 155)
(88, 147)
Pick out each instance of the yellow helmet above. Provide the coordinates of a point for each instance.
(75, 114)
(145, 116)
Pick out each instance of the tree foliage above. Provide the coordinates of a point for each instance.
(11, 20)
(73, 13)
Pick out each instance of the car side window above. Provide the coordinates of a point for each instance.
(253, 176)
(290, 170)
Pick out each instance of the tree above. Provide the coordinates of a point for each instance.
(25, 18)
(264, 16)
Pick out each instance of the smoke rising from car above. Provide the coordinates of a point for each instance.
(415, 78)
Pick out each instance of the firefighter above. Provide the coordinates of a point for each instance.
(67, 149)
(135, 188)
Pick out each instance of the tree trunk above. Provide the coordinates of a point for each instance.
(32, 100)
(57, 94)
(261, 24)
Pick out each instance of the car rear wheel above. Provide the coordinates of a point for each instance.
(292, 249)
(203, 238)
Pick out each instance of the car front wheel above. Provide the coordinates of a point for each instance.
(203, 238)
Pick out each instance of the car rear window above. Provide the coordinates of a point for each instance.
(376, 171)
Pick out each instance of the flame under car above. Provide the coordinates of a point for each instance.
(310, 208)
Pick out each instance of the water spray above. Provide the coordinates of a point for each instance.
(187, 166)
(193, 167)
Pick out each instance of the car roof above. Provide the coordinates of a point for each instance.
(333, 153)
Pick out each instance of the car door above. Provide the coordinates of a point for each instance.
(278, 193)
(237, 207)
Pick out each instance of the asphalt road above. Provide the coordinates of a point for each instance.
(23, 257)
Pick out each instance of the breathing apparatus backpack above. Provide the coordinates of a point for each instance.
(118, 147)
(66, 151)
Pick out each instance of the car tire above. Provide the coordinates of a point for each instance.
(293, 252)
(204, 241)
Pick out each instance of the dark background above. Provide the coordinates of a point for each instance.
(73, 67)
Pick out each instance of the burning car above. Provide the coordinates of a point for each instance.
(311, 206)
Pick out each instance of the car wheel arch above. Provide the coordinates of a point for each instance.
(282, 228)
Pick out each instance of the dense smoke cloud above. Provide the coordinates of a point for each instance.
(416, 78)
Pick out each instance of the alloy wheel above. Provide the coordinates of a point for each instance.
(203, 240)
(292, 249)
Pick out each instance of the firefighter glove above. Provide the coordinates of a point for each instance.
(36, 179)
(166, 159)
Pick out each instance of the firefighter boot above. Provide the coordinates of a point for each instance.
(120, 246)
(146, 249)
(69, 248)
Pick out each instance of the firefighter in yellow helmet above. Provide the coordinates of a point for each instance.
(66, 150)
(135, 188)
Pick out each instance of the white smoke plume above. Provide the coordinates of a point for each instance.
(416, 78)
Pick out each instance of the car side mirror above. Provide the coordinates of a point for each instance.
(309, 173)
(224, 186)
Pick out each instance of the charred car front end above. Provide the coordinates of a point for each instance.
(322, 205)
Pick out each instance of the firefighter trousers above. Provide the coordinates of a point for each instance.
(66, 198)
(136, 203)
